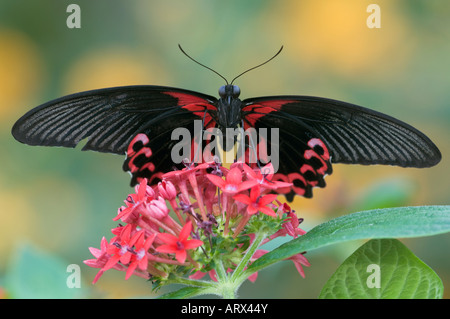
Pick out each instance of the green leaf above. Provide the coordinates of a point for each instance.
(33, 273)
(399, 222)
(383, 269)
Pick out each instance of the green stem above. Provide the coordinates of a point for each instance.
(224, 287)
(237, 274)
(220, 271)
(191, 282)
(228, 290)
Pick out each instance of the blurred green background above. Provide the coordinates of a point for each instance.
(58, 202)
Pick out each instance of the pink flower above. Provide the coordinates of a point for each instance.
(176, 175)
(222, 202)
(135, 202)
(300, 260)
(264, 176)
(290, 226)
(157, 208)
(167, 190)
(101, 257)
(257, 203)
(141, 246)
(200, 274)
(120, 248)
(233, 183)
(178, 245)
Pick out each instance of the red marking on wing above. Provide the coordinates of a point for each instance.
(138, 161)
(136, 148)
(309, 154)
(254, 111)
(309, 174)
(185, 98)
(138, 138)
(197, 105)
(320, 148)
(297, 179)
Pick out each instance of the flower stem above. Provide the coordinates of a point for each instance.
(220, 271)
(237, 274)
(193, 181)
(191, 282)
(228, 290)
(225, 287)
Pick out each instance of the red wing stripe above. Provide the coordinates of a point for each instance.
(196, 105)
(263, 108)
(274, 104)
(309, 174)
(184, 98)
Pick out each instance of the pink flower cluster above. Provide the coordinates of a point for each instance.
(208, 201)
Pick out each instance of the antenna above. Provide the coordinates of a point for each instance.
(202, 64)
(258, 65)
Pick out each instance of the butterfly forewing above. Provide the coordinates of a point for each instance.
(353, 134)
(110, 117)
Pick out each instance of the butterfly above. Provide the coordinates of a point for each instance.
(311, 132)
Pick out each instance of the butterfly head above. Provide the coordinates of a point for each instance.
(229, 90)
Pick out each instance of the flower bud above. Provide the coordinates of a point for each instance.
(167, 190)
(157, 208)
(149, 192)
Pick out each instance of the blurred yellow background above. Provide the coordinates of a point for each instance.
(62, 201)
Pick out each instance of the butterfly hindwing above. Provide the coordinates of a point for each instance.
(302, 158)
(151, 155)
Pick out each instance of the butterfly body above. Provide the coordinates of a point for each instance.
(229, 107)
(229, 113)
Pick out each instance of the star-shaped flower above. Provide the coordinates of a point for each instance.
(178, 245)
(233, 183)
(257, 203)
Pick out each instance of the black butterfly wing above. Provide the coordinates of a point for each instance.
(110, 118)
(350, 134)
